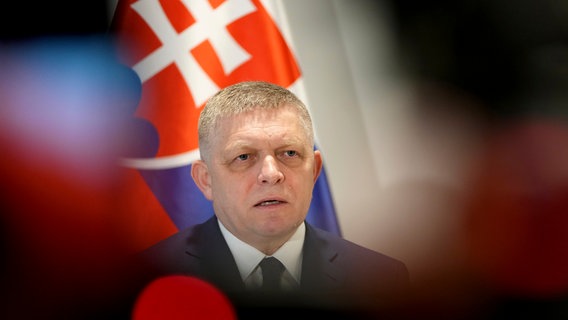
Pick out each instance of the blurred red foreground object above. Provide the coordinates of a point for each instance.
(182, 297)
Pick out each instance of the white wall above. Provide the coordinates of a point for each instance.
(396, 174)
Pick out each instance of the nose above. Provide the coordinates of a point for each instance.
(270, 171)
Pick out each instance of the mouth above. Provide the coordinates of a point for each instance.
(270, 202)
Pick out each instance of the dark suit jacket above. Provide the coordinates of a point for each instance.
(336, 273)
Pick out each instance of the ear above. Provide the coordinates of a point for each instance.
(201, 177)
(318, 164)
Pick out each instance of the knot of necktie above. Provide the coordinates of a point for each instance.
(272, 270)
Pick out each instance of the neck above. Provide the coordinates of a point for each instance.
(268, 248)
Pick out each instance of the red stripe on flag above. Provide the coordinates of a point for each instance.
(142, 218)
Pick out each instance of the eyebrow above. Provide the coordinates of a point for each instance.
(248, 144)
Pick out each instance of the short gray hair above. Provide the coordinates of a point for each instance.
(244, 97)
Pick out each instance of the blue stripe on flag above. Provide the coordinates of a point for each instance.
(322, 210)
(179, 195)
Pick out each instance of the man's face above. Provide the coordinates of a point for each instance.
(261, 174)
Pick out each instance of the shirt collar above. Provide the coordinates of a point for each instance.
(247, 257)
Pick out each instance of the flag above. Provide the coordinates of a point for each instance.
(184, 51)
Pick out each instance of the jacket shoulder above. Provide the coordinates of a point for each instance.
(178, 253)
(359, 263)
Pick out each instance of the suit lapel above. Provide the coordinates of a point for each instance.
(208, 253)
(212, 256)
(319, 270)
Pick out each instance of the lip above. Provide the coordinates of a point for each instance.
(267, 199)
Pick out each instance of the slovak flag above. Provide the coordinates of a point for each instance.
(183, 52)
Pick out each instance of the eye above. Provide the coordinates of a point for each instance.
(243, 157)
(291, 153)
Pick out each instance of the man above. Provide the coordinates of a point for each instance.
(258, 166)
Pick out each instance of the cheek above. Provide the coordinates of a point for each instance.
(218, 186)
(302, 189)
(229, 186)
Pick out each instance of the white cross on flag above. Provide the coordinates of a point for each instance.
(184, 51)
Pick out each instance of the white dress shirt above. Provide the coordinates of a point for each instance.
(247, 258)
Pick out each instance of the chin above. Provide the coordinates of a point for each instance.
(280, 229)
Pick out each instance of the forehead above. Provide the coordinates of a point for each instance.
(285, 115)
(261, 123)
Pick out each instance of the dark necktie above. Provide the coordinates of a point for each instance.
(272, 270)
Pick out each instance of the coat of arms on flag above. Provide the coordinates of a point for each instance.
(184, 51)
